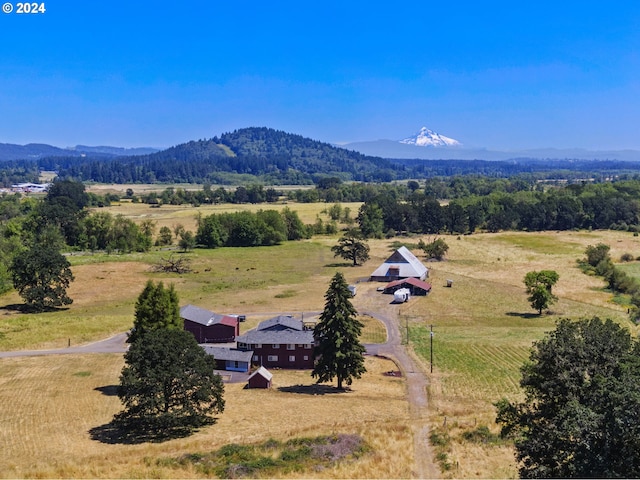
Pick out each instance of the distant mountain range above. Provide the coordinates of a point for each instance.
(34, 151)
(260, 154)
(430, 145)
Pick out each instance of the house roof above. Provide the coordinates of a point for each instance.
(222, 353)
(263, 372)
(252, 337)
(282, 329)
(282, 322)
(406, 262)
(411, 281)
(206, 317)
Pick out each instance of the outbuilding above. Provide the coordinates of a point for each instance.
(261, 378)
(415, 286)
(209, 327)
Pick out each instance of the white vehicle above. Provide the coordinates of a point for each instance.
(401, 295)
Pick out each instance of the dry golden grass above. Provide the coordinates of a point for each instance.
(50, 404)
(484, 327)
(172, 215)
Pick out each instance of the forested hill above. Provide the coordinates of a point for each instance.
(275, 156)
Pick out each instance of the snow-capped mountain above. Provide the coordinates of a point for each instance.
(429, 138)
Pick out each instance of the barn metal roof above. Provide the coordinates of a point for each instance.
(406, 262)
(206, 317)
(411, 281)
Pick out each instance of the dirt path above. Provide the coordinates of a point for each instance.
(379, 306)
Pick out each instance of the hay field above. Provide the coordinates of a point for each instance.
(54, 408)
(171, 215)
(484, 328)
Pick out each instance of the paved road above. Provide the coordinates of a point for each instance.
(115, 344)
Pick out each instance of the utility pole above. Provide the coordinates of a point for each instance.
(431, 345)
(407, 325)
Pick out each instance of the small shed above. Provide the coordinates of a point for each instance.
(261, 378)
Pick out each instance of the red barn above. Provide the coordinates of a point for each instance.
(209, 327)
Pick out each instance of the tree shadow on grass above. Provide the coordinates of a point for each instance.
(115, 432)
(523, 315)
(24, 308)
(108, 390)
(341, 265)
(314, 389)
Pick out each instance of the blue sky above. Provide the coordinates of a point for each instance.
(495, 74)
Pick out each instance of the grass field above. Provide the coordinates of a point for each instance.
(483, 328)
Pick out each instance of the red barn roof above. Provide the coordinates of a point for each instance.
(411, 281)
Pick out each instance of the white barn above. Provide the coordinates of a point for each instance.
(401, 264)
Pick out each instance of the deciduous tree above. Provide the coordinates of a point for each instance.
(352, 247)
(168, 383)
(581, 413)
(339, 353)
(539, 287)
(42, 275)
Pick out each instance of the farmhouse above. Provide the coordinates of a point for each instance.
(261, 378)
(415, 286)
(209, 327)
(401, 264)
(230, 358)
(281, 342)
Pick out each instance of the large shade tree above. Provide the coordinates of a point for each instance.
(168, 383)
(581, 412)
(352, 247)
(339, 353)
(42, 275)
(539, 287)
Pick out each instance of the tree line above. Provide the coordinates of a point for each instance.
(613, 205)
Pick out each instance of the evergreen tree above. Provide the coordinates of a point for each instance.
(157, 308)
(339, 352)
(168, 384)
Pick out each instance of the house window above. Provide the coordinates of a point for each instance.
(306, 357)
(291, 346)
(272, 358)
(276, 345)
(255, 358)
(292, 358)
(307, 346)
(257, 345)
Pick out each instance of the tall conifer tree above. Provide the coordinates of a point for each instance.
(157, 307)
(339, 352)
